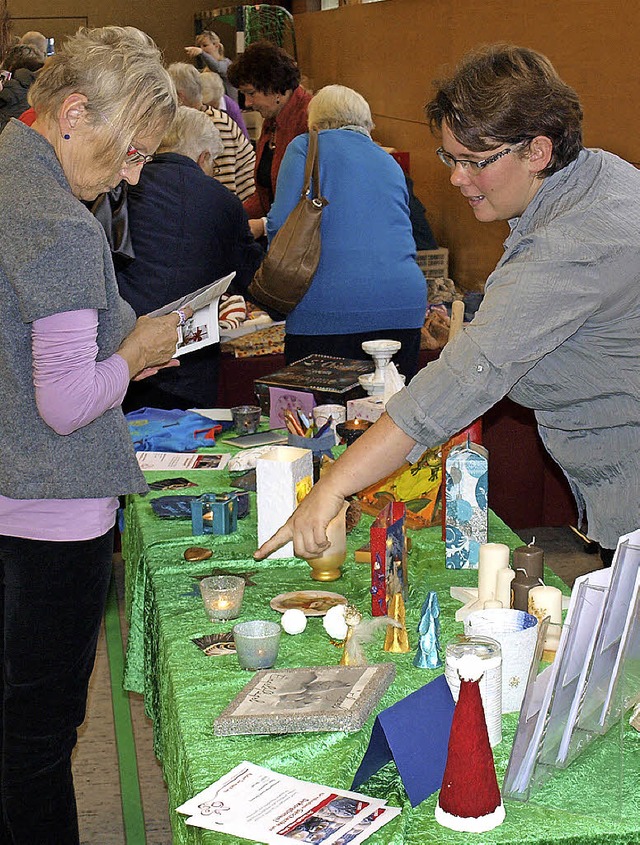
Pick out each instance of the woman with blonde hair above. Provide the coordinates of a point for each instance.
(68, 347)
(367, 284)
(209, 52)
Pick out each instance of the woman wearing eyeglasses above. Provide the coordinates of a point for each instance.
(559, 327)
(68, 347)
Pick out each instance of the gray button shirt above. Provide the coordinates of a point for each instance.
(558, 331)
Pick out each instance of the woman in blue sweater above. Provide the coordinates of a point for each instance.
(367, 284)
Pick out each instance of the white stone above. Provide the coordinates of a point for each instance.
(293, 621)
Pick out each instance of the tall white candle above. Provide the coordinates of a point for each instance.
(547, 601)
(493, 558)
(503, 587)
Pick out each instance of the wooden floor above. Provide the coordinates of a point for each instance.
(96, 766)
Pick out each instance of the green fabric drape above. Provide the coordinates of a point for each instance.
(184, 690)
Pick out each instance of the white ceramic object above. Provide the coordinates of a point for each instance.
(283, 477)
(382, 351)
(373, 388)
(334, 622)
(293, 621)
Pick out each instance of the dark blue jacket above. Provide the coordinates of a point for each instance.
(187, 230)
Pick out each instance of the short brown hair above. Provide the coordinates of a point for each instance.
(502, 94)
(267, 68)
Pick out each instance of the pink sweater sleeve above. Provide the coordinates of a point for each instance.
(72, 389)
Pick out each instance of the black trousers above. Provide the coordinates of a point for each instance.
(298, 346)
(52, 598)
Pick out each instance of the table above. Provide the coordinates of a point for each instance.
(184, 690)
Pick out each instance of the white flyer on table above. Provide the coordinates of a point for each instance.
(257, 804)
(162, 461)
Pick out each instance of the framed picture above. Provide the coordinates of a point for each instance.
(313, 698)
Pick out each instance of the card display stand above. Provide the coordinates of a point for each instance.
(572, 711)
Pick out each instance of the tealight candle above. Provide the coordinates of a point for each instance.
(222, 596)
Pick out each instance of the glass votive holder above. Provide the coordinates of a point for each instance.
(246, 418)
(349, 431)
(256, 644)
(222, 596)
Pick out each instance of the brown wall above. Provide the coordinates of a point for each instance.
(391, 51)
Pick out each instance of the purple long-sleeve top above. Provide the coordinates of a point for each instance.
(72, 389)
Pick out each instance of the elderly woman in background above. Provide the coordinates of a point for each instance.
(367, 284)
(187, 230)
(235, 164)
(22, 62)
(69, 346)
(209, 53)
(559, 327)
(270, 81)
(213, 95)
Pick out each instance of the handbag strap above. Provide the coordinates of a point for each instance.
(312, 167)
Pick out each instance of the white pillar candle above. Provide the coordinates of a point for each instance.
(503, 588)
(547, 601)
(493, 558)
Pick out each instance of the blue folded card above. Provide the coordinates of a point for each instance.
(414, 733)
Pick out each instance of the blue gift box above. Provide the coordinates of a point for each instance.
(214, 513)
(466, 503)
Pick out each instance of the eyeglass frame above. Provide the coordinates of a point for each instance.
(134, 156)
(451, 162)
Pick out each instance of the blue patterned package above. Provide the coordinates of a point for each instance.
(466, 505)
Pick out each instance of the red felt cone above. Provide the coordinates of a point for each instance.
(470, 798)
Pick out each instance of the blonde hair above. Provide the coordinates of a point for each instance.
(191, 133)
(187, 81)
(119, 70)
(212, 88)
(335, 106)
(213, 37)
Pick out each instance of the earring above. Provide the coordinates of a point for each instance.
(277, 101)
(66, 136)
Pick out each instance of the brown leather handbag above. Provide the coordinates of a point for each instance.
(292, 260)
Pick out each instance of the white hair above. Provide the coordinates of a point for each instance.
(191, 133)
(335, 106)
(212, 88)
(187, 81)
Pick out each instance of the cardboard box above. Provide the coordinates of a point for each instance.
(434, 263)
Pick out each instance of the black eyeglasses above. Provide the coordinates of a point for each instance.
(466, 164)
(134, 156)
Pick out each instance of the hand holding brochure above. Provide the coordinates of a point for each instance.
(201, 329)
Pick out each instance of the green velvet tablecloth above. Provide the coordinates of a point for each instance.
(184, 690)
